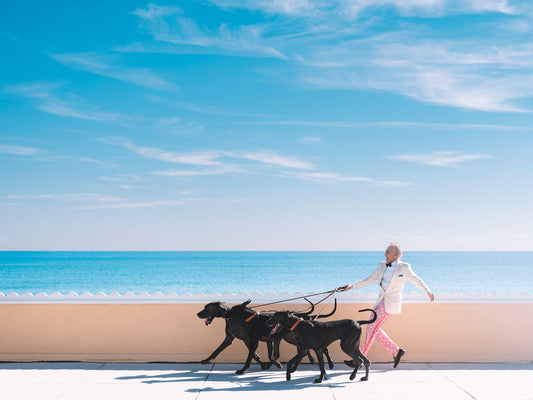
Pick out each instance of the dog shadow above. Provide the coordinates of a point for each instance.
(212, 379)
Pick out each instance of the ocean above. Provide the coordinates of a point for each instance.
(249, 272)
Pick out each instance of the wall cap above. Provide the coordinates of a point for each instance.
(183, 298)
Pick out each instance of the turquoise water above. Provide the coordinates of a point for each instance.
(195, 272)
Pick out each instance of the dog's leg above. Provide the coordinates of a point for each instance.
(273, 348)
(357, 362)
(293, 362)
(330, 363)
(252, 347)
(320, 358)
(257, 359)
(310, 357)
(367, 363)
(352, 349)
(227, 341)
(298, 359)
(276, 348)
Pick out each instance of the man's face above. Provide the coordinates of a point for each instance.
(391, 254)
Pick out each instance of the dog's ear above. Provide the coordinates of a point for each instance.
(246, 303)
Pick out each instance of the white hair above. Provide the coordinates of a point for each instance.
(396, 247)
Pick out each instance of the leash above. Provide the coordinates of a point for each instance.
(332, 298)
(328, 293)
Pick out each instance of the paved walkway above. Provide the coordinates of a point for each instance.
(79, 381)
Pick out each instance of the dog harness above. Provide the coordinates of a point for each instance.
(296, 324)
(251, 317)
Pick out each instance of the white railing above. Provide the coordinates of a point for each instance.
(256, 297)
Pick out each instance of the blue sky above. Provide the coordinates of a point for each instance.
(266, 125)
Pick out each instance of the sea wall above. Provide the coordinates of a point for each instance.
(157, 327)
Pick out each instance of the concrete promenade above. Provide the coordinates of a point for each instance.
(161, 381)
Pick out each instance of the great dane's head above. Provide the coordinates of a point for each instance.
(281, 319)
(216, 309)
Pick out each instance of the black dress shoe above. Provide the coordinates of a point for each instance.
(398, 357)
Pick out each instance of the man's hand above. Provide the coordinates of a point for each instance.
(344, 288)
(431, 296)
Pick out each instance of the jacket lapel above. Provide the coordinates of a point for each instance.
(397, 269)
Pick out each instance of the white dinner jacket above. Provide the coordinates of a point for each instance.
(393, 294)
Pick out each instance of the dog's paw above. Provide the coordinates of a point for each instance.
(277, 364)
(206, 361)
(318, 380)
(364, 378)
(265, 366)
(240, 372)
(288, 377)
(330, 365)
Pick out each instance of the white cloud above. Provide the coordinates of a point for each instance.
(168, 25)
(109, 66)
(288, 7)
(273, 159)
(70, 197)
(200, 108)
(501, 6)
(18, 150)
(206, 172)
(98, 201)
(326, 50)
(441, 158)
(391, 124)
(326, 177)
(352, 9)
(122, 177)
(466, 73)
(206, 158)
(45, 156)
(310, 140)
(154, 11)
(43, 94)
(133, 205)
(78, 159)
(209, 158)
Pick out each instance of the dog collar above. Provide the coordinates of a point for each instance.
(251, 317)
(295, 324)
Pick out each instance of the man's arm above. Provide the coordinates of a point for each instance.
(363, 282)
(418, 282)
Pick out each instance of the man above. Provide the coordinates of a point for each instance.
(391, 276)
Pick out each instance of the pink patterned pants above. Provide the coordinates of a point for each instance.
(374, 332)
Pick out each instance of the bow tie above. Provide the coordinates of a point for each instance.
(388, 265)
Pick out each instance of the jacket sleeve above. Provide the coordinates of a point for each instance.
(415, 280)
(368, 280)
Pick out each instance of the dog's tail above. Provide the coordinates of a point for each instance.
(371, 321)
(306, 314)
(330, 314)
(312, 306)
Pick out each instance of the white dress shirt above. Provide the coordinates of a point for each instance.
(388, 274)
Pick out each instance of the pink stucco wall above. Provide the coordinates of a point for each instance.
(429, 332)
